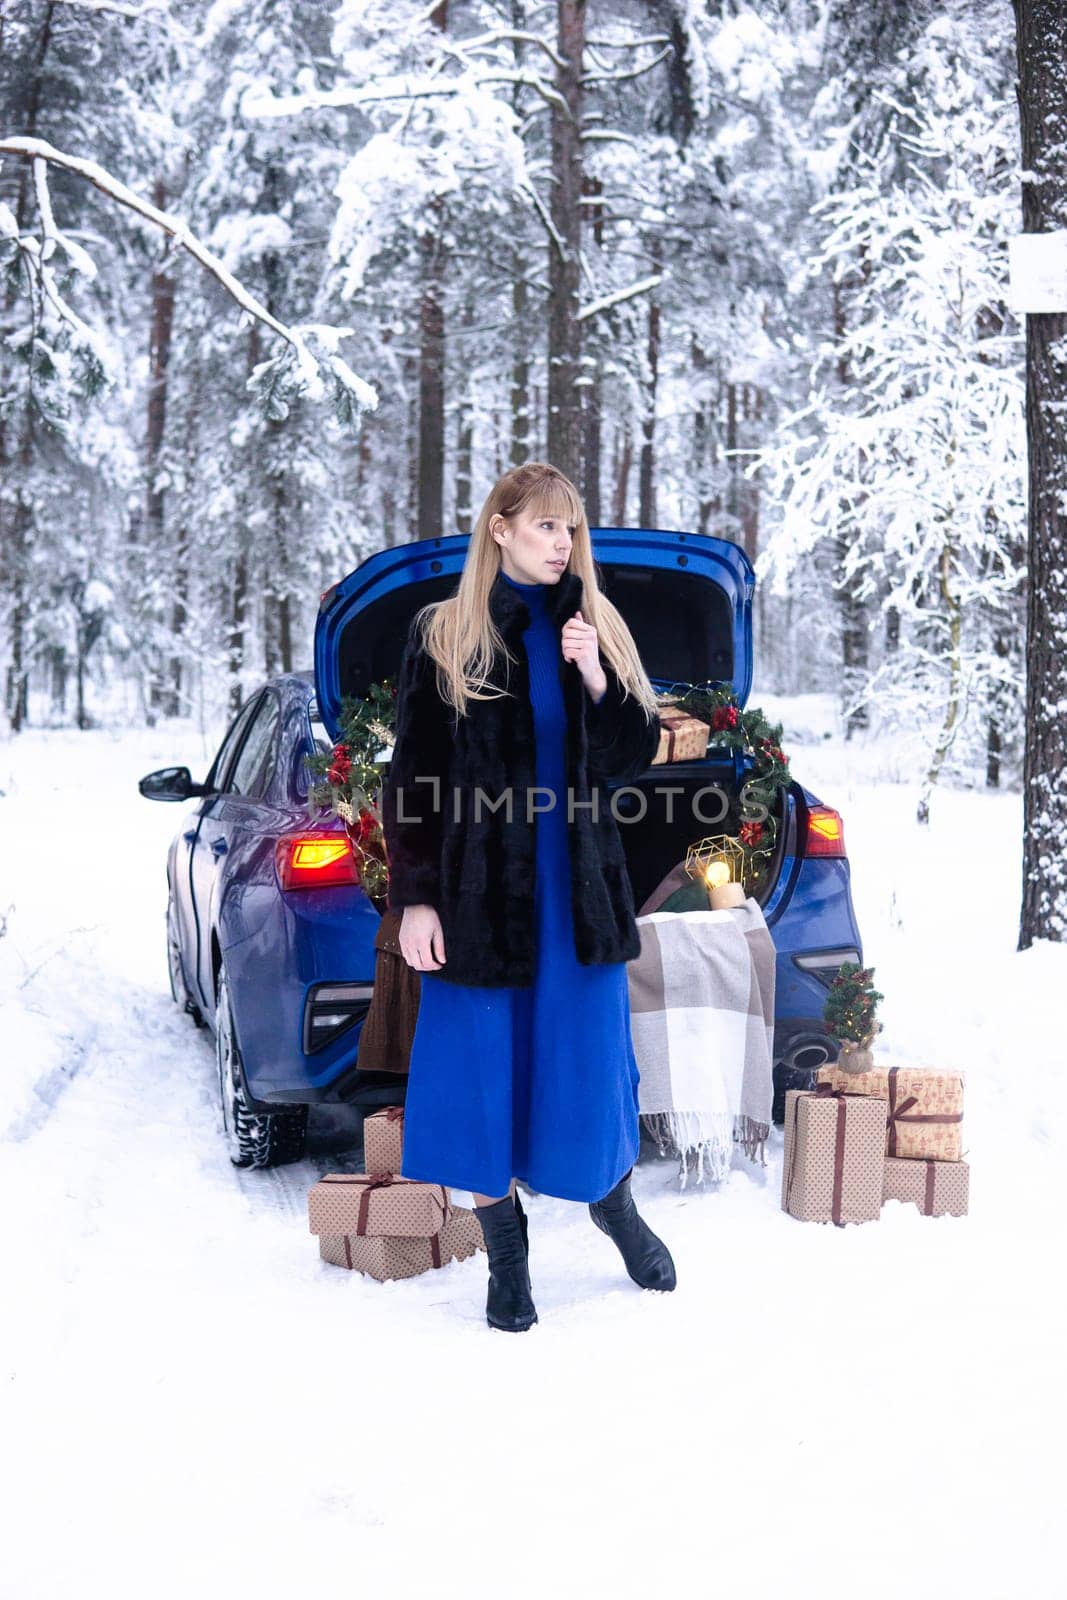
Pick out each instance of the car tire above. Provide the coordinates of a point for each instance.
(254, 1138)
(179, 989)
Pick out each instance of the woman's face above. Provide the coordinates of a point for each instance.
(534, 548)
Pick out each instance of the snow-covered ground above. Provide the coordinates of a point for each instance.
(193, 1402)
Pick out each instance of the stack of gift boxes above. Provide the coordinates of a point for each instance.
(859, 1139)
(382, 1224)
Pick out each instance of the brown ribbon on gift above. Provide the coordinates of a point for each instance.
(370, 1184)
(904, 1113)
(671, 721)
(435, 1250)
(928, 1198)
(367, 1184)
(394, 1113)
(672, 735)
(823, 1091)
(839, 1162)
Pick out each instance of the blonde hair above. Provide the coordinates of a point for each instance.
(459, 633)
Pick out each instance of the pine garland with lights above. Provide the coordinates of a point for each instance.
(849, 1013)
(348, 781)
(748, 730)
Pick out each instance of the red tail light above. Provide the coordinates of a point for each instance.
(315, 861)
(826, 833)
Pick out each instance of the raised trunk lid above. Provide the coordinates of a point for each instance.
(686, 597)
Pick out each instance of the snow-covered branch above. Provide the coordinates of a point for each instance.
(539, 207)
(624, 77)
(629, 44)
(261, 101)
(617, 296)
(307, 364)
(510, 36)
(159, 7)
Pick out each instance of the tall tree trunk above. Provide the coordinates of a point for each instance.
(238, 619)
(853, 618)
(647, 506)
(411, 389)
(621, 496)
(564, 427)
(464, 517)
(431, 487)
(520, 367)
(1042, 89)
(747, 488)
(430, 490)
(703, 438)
(590, 484)
(521, 400)
(161, 326)
(16, 512)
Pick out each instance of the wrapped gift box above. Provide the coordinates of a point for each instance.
(925, 1107)
(383, 1258)
(832, 1170)
(377, 1205)
(383, 1137)
(938, 1188)
(682, 737)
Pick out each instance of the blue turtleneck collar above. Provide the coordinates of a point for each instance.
(535, 594)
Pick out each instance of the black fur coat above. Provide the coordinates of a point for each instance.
(479, 871)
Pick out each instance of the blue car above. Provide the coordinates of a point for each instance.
(271, 939)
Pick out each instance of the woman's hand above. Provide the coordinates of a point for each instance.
(579, 643)
(422, 939)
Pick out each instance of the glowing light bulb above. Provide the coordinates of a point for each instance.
(716, 873)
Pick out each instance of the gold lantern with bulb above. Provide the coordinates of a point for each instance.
(719, 863)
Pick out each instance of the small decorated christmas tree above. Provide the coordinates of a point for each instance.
(849, 1015)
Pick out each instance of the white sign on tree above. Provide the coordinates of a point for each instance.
(1037, 264)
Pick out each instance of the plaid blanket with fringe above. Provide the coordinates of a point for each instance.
(702, 1020)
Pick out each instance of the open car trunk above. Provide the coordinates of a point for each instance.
(659, 840)
(687, 599)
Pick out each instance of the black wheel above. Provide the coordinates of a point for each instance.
(178, 988)
(255, 1138)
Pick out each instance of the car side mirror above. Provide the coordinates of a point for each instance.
(170, 783)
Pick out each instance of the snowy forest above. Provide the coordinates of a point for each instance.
(286, 282)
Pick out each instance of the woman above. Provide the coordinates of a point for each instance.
(518, 697)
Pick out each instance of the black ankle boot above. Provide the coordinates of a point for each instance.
(647, 1259)
(524, 1224)
(509, 1303)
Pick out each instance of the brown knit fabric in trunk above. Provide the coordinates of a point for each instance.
(389, 1026)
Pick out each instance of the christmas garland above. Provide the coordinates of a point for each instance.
(348, 781)
(749, 731)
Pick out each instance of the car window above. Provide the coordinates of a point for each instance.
(256, 761)
(216, 778)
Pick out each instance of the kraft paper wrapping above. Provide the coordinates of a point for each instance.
(938, 1188)
(832, 1170)
(377, 1205)
(384, 1258)
(681, 737)
(926, 1108)
(383, 1138)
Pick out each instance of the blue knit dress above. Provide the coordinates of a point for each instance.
(537, 1083)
